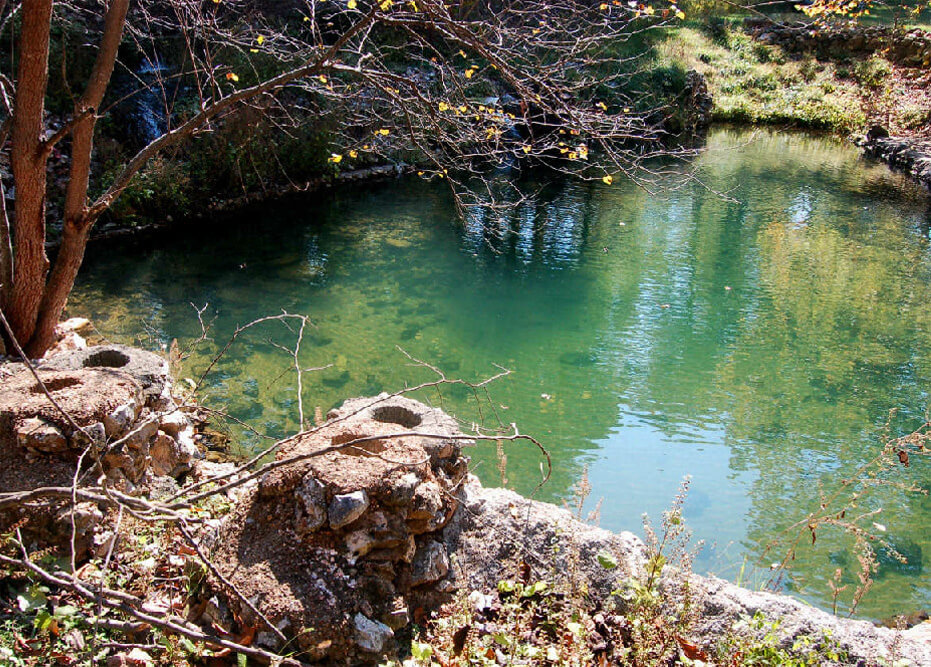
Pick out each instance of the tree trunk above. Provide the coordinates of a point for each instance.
(29, 164)
(78, 221)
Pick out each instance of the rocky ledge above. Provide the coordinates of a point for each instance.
(372, 521)
(909, 155)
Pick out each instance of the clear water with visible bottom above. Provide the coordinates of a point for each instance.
(756, 342)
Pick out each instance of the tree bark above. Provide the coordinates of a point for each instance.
(78, 221)
(28, 160)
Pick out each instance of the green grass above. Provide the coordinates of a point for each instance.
(757, 83)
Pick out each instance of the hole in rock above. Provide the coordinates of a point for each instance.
(55, 384)
(107, 359)
(395, 414)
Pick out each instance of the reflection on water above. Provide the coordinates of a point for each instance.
(755, 341)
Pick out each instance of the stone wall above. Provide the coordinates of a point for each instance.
(908, 48)
(121, 418)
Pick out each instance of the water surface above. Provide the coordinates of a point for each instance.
(755, 342)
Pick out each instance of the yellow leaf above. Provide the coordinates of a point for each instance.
(469, 72)
(260, 39)
(573, 155)
(603, 6)
(443, 106)
(527, 149)
(608, 179)
(253, 50)
(649, 11)
(335, 158)
(413, 5)
(231, 76)
(366, 147)
(351, 4)
(680, 15)
(385, 5)
(383, 132)
(322, 78)
(353, 154)
(602, 106)
(462, 53)
(463, 108)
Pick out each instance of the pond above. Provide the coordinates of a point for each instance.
(755, 341)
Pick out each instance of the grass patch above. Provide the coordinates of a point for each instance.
(758, 83)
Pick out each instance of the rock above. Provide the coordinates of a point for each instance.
(346, 508)
(398, 616)
(173, 422)
(141, 434)
(164, 453)
(876, 132)
(96, 432)
(187, 449)
(121, 419)
(75, 324)
(312, 495)
(920, 632)
(41, 436)
(372, 636)
(359, 543)
(150, 370)
(431, 563)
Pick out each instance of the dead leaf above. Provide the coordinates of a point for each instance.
(691, 650)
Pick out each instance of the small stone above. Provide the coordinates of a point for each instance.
(187, 448)
(312, 495)
(398, 616)
(173, 423)
(86, 516)
(480, 602)
(164, 453)
(428, 504)
(141, 435)
(41, 436)
(431, 563)
(96, 432)
(347, 507)
(118, 422)
(359, 543)
(371, 636)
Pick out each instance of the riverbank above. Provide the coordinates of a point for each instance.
(363, 540)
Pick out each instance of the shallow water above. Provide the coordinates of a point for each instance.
(754, 342)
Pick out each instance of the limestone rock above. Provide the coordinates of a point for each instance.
(313, 507)
(431, 563)
(173, 422)
(347, 507)
(372, 636)
(164, 453)
(40, 436)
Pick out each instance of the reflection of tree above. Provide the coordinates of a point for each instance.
(842, 339)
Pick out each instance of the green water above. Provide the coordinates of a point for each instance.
(755, 342)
